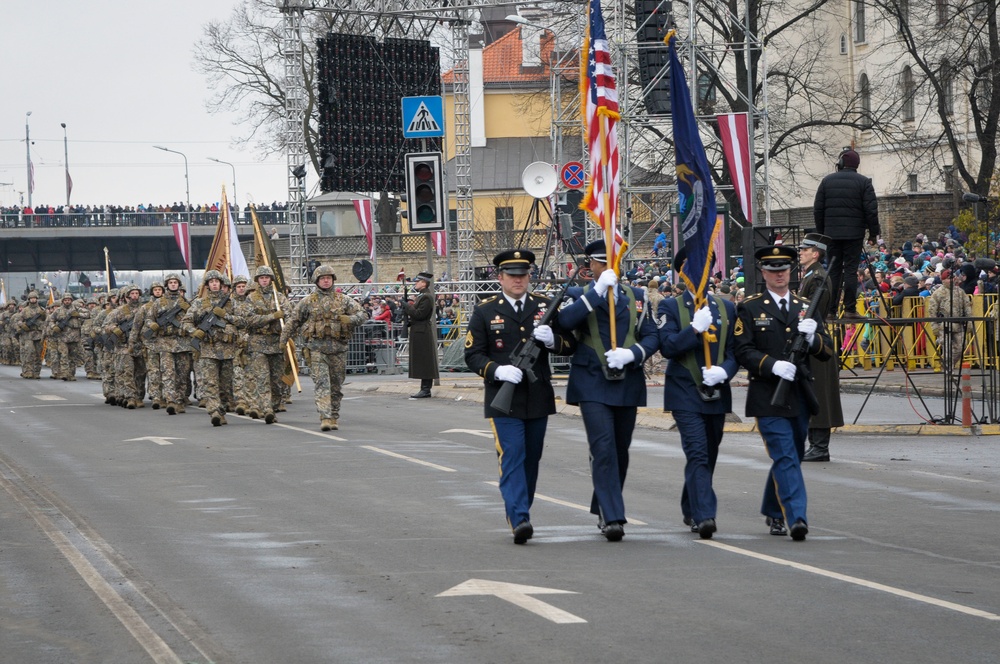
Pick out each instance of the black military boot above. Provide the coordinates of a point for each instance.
(425, 389)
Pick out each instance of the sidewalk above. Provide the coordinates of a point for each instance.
(882, 414)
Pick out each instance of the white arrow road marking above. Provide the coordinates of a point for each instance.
(471, 432)
(564, 503)
(154, 439)
(518, 595)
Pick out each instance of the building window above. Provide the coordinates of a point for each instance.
(504, 218)
(865, 93)
(942, 11)
(913, 182)
(859, 22)
(843, 44)
(947, 75)
(909, 91)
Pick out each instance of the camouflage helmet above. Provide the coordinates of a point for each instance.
(212, 274)
(263, 271)
(123, 293)
(155, 284)
(132, 287)
(240, 279)
(323, 271)
(172, 275)
(11, 303)
(226, 282)
(66, 296)
(33, 294)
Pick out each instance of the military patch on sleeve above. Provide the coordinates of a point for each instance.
(739, 327)
(468, 339)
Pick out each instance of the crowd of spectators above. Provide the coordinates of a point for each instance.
(47, 216)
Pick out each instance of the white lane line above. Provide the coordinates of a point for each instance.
(151, 642)
(321, 434)
(948, 477)
(899, 592)
(408, 458)
(49, 397)
(564, 503)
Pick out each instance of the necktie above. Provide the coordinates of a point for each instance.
(517, 307)
(784, 307)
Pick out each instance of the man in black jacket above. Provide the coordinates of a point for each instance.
(845, 207)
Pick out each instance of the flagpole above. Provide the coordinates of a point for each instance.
(609, 235)
(107, 272)
(274, 291)
(374, 252)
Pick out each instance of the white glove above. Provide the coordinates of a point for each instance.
(544, 334)
(509, 373)
(702, 319)
(607, 279)
(784, 370)
(807, 326)
(713, 375)
(619, 357)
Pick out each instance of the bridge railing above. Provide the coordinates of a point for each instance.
(136, 219)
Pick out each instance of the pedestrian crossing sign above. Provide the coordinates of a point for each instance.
(423, 117)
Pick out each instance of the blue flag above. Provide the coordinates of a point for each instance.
(696, 195)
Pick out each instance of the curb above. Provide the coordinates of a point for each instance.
(471, 390)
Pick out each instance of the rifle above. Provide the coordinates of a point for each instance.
(209, 320)
(798, 351)
(31, 321)
(165, 318)
(525, 355)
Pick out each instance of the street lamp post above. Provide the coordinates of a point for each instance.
(69, 186)
(187, 180)
(27, 147)
(235, 205)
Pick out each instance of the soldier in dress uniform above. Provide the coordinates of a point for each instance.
(326, 319)
(766, 325)
(265, 366)
(607, 381)
(31, 329)
(498, 324)
(812, 252)
(696, 394)
(423, 335)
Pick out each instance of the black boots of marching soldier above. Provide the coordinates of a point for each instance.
(425, 389)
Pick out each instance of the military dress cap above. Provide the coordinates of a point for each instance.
(425, 276)
(515, 261)
(775, 258)
(597, 251)
(815, 241)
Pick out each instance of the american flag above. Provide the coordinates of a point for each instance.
(601, 120)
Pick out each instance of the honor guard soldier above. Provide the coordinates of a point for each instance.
(696, 391)
(327, 319)
(812, 251)
(767, 324)
(606, 380)
(498, 325)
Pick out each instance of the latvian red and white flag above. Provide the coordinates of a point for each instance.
(183, 238)
(440, 241)
(364, 209)
(734, 130)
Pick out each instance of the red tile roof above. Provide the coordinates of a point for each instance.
(502, 62)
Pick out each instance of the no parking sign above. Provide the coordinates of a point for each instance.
(573, 175)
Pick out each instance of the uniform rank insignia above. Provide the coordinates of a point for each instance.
(739, 327)
(468, 339)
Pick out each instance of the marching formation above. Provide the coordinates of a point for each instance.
(228, 348)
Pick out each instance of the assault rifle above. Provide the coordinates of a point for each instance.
(210, 320)
(166, 317)
(525, 355)
(798, 351)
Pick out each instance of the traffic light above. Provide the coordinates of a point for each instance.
(426, 196)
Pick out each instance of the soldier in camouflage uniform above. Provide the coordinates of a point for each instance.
(50, 349)
(88, 343)
(8, 353)
(164, 319)
(268, 309)
(31, 327)
(129, 365)
(326, 319)
(213, 319)
(144, 337)
(106, 353)
(67, 322)
(240, 363)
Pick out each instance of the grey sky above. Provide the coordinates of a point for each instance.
(120, 74)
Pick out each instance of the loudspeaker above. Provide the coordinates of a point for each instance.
(653, 21)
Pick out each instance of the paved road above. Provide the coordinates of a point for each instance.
(386, 543)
